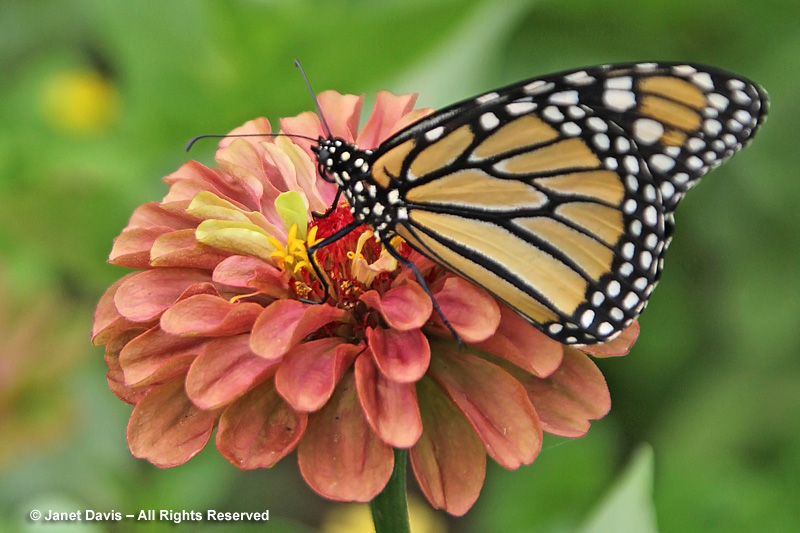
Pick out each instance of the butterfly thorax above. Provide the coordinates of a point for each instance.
(349, 168)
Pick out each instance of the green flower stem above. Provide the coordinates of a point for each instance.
(390, 507)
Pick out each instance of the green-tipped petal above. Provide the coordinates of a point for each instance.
(241, 238)
(292, 210)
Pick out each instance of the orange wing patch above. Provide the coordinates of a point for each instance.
(389, 165)
(603, 222)
(558, 284)
(589, 255)
(475, 188)
(601, 185)
(522, 132)
(569, 154)
(441, 152)
(511, 295)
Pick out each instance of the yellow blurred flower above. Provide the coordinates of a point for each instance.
(356, 518)
(79, 101)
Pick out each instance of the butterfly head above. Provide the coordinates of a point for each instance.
(340, 162)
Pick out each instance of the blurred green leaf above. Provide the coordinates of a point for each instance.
(628, 506)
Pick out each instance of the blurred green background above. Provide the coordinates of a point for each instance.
(97, 99)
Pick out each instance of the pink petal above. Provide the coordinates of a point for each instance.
(146, 295)
(387, 111)
(309, 372)
(208, 315)
(495, 403)
(571, 396)
(342, 113)
(402, 356)
(181, 249)
(192, 177)
(225, 370)
(472, 312)
(256, 126)
(403, 308)
(448, 460)
(520, 343)
(259, 429)
(284, 323)
(390, 407)
(252, 273)
(157, 356)
(619, 346)
(340, 457)
(132, 248)
(166, 428)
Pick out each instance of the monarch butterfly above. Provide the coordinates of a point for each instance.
(555, 194)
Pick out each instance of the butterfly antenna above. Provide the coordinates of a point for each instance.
(193, 140)
(314, 96)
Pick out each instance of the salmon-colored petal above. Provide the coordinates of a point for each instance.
(115, 375)
(108, 322)
(132, 248)
(284, 323)
(153, 214)
(402, 356)
(252, 273)
(259, 429)
(472, 312)
(340, 457)
(208, 315)
(157, 356)
(181, 249)
(310, 371)
(387, 111)
(225, 370)
(571, 396)
(145, 295)
(390, 407)
(449, 460)
(520, 343)
(403, 308)
(619, 346)
(166, 428)
(494, 402)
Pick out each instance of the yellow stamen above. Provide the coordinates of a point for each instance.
(238, 297)
(293, 256)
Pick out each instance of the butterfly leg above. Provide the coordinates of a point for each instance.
(332, 208)
(323, 243)
(421, 280)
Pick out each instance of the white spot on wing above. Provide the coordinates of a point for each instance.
(647, 130)
(488, 97)
(619, 100)
(434, 133)
(703, 80)
(520, 108)
(489, 121)
(623, 82)
(538, 87)
(564, 98)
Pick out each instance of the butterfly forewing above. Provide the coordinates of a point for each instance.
(556, 194)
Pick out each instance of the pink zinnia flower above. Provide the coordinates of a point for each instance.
(212, 335)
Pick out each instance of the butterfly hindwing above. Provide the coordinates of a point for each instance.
(556, 194)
